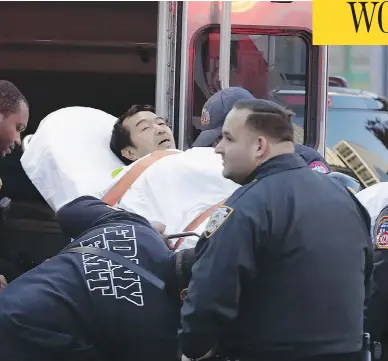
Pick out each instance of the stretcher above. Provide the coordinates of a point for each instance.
(69, 156)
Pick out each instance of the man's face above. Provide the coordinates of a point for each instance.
(148, 133)
(241, 147)
(11, 127)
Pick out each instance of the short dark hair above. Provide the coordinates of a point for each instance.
(121, 136)
(270, 118)
(10, 98)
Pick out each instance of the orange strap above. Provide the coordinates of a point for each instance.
(198, 221)
(118, 190)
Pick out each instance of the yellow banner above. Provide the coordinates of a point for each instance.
(340, 22)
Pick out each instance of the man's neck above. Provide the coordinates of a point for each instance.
(280, 149)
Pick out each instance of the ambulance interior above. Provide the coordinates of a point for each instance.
(98, 55)
(106, 60)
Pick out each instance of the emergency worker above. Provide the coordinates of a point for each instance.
(213, 117)
(14, 113)
(280, 266)
(85, 307)
(374, 198)
(376, 312)
(214, 113)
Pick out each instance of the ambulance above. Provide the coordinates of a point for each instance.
(110, 55)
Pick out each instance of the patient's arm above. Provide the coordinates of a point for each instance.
(79, 215)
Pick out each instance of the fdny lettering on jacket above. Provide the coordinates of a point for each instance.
(110, 279)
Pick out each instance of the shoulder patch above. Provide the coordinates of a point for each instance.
(382, 233)
(319, 167)
(217, 219)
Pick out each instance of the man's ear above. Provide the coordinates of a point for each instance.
(129, 153)
(262, 146)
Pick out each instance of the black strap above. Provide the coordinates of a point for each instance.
(140, 271)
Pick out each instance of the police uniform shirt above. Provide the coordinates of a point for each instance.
(82, 307)
(280, 269)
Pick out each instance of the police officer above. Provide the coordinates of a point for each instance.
(86, 307)
(213, 117)
(280, 267)
(374, 199)
(376, 312)
(14, 114)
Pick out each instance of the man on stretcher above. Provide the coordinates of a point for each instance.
(180, 198)
(178, 189)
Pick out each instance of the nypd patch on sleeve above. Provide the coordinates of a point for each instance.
(217, 219)
(382, 233)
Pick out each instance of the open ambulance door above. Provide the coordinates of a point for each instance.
(263, 47)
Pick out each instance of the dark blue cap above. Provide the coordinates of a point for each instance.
(215, 111)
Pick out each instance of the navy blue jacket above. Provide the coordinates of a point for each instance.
(82, 307)
(280, 269)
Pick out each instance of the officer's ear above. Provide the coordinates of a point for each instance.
(262, 146)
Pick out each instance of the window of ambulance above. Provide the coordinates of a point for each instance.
(260, 62)
(357, 137)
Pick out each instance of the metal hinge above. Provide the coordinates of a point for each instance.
(171, 33)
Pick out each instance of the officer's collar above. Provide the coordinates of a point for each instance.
(275, 165)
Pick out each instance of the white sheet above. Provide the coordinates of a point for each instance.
(177, 189)
(374, 199)
(69, 155)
